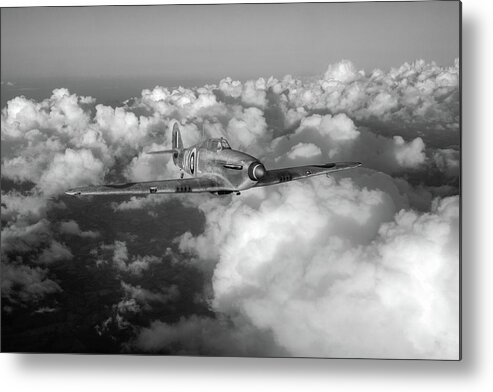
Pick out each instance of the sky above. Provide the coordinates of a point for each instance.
(179, 44)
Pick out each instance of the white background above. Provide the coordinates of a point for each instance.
(474, 372)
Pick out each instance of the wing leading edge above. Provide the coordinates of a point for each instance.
(278, 176)
(186, 185)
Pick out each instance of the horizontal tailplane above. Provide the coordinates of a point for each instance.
(173, 151)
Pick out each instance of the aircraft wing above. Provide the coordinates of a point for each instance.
(186, 185)
(277, 176)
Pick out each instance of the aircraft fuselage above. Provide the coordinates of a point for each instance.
(235, 168)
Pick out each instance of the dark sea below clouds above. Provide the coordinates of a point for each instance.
(83, 317)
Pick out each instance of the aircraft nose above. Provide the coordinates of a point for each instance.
(256, 171)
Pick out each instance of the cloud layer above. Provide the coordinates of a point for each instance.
(328, 267)
(361, 264)
(69, 140)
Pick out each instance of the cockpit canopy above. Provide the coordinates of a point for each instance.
(218, 144)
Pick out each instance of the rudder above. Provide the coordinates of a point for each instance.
(176, 141)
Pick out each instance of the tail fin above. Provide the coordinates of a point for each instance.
(176, 143)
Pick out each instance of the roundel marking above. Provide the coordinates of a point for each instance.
(192, 161)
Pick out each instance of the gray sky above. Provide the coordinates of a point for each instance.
(206, 43)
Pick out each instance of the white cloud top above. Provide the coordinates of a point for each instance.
(338, 294)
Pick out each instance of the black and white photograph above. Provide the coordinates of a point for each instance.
(232, 180)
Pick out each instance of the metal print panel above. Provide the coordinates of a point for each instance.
(268, 180)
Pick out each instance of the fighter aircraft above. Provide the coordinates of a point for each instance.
(213, 167)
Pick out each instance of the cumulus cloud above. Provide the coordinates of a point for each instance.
(201, 335)
(118, 124)
(65, 140)
(182, 102)
(359, 267)
(137, 203)
(410, 154)
(22, 237)
(55, 252)
(232, 88)
(146, 167)
(136, 300)
(63, 112)
(253, 93)
(121, 259)
(151, 202)
(336, 134)
(72, 227)
(27, 240)
(343, 72)
(70, 169)
(304, 150)
(19, 207)
(382, 103)
(347, 142)
(339, 127)
(415, 93)
(146, 297)
(22, 284)
(448, 161)
(247, 128)
(71, 131)
(30, 165)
